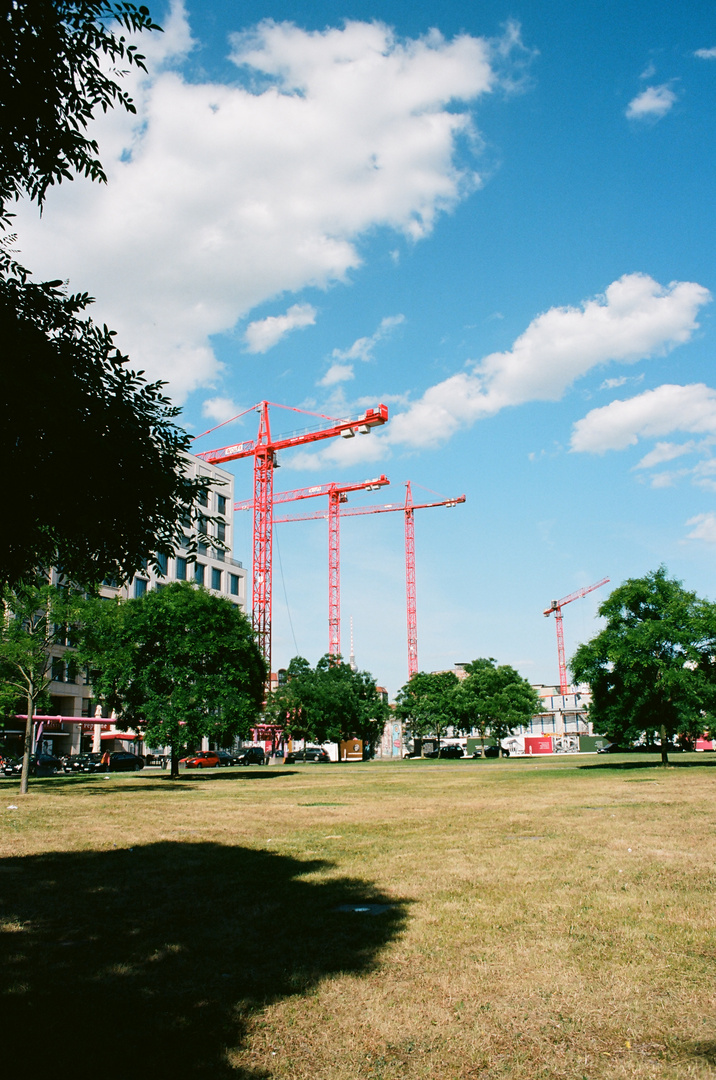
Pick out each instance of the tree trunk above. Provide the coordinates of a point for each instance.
(174, 774)
(664, 755)
(27, 745)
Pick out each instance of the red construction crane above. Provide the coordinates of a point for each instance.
(263, 449)
(408, 508)
(556, 607)
(337, 494)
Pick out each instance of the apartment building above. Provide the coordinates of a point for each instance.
(213, 567)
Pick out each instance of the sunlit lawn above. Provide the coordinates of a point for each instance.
(534, 919)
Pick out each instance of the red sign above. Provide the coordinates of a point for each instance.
(538, 744)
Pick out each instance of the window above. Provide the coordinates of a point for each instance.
(202, 526)
(221, 536)
(203, 498)
(140, 588)
(199, 573)
(221, 504)
(162, 564)
(181, 569)
(234, 584)
(216, 579)
(58, 669)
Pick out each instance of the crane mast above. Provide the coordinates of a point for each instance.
(263, 450)
(337, 494)
(408, 508)
(556, 607)
(410, 591)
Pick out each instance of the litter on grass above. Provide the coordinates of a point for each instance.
(365, 909)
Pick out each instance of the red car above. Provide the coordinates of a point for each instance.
(205, 759)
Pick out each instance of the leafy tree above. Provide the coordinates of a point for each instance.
(651, 669)
(428, 703)
(495, 699)
(328, 703)
(93, 459)
(53, 78)
(291, 705)
(35, 616)
(178, 664)
(347, 702)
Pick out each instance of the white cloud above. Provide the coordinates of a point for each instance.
(706, 54)
(337, 373)
(223, 196)
(363, 348)
(620, 381)
(220, 409)
(666, 451)
(652, 103)
(653, 414)
(262, 335)
(341, 453)
(341, 370)
(704, 528)
(634, 319)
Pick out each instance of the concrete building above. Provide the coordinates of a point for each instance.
(561, 726)
(214, 568)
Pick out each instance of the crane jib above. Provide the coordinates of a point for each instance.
(244, 448)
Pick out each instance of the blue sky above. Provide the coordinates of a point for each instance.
(499, 220)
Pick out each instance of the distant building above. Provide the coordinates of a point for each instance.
(563, 714)
(214, 568)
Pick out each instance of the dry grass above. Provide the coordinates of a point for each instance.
(547, 919)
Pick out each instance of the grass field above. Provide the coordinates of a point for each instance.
(532, 919)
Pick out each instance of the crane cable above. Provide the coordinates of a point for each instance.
(285, 594)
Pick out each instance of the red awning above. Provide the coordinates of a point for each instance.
(119, 735)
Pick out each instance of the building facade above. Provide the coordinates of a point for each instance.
(212, 567)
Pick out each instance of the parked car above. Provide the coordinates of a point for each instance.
(451, 750)
(494, 751)
(310, 754)
(205, 759)
(250, 755)
(610, 748)
(83, 763)
(123, 761)
(40, 765)
(225, 758)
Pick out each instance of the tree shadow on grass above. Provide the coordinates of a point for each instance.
(235, 774)
(149, 781)
(704, 1050)
(152, 961)
(651, 763)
